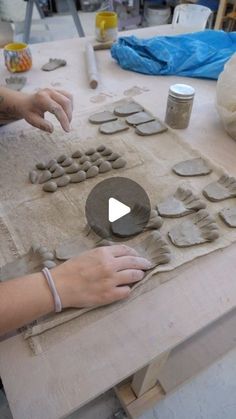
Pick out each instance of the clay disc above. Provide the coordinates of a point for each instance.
(193, 167)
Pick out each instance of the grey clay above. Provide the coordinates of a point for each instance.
(105, 167)
(76, 154)
(93, 171)
(67, 162)
(33, 176)
(63, 181)
(78, 177)
(50, 187)
(46, 175)
(119, 163)
(58, 172)
(73, 168)
(61, 158)
(41, 166)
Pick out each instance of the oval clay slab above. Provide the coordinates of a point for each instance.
(127, 109)
(101, 117)
(113, 127)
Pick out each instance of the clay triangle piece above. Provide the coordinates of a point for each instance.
(183, 202)
(16, 82)
(139, 118)
(113, 127)
(101, 117)
(127, 109)
(197, 229)
(151, 128)
(53, 64)
(193, 167)
(223, 188)
(228, 215)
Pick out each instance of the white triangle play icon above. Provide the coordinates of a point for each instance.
(116, 209)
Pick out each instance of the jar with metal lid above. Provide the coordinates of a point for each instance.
(179, 105)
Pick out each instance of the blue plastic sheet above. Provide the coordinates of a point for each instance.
(200, 54)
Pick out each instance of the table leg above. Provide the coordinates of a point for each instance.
(28, 20)
(73, 11)
(220, 14)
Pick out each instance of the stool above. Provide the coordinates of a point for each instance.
(29, 12)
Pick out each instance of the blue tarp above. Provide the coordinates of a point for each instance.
(199, 54)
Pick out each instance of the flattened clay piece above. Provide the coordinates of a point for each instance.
(78, 177)
(113, 127)
(50, 187)
(83, 159)
(53, 64)
(150, 128)
(92, 172)
(95, 157)
(49, 264)
(132, 223)
(45, 176)
(106, 152)
(113, 156)
(183, 202)
(67, 162)
(100, 117)
(98, 162)
(139, 118)
(47, 256)
(100, 148)
(228, 215)
(155, 221)
(77, 154)
(63, 181)
(224, 188)
(90, 151)
(59, 171)
(155, 249)
(51, 163)
(16, 82)
(119, 163)
(105, 167)
(197, 229)
(61, 158)
(33, 176)
(54, 167)
(193, 167)
(73, 168)
(41, 166)
(86, 166)
(127, 109)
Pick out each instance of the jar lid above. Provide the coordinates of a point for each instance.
(183, 91)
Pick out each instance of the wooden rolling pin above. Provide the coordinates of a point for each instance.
(91, 66)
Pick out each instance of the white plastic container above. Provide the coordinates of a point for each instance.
(157, 15)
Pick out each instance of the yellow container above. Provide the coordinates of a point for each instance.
(17, 57)
(106, 26)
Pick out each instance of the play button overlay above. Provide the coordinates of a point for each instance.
(117, 208)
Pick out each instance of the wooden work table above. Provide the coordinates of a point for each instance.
(201, 295)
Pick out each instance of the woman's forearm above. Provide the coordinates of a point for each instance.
(10, 108)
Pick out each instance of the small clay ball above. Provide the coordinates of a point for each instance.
(53, 167)
(113, 156)
(45, 176)
(78, 177)
(50, 187)
(95, 156)
(105, 167)
(61, 158)
(90, 151)
(86, 165)
(33, 176)
(76, 154)
(49, 264)
(73, 168)
(119, 163)
(101, 148)
(93, 171)
(63, 181)
(98, 162)
(41, 166)
(106, 152)
(67, 162)
(51, 163)
(83, 159)
(59, 171)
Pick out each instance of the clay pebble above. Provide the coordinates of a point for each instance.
(73, 168)
(47, 256)
(119, 163)
(46, 175)
(106, 152)
(228, 215)
(61, 158)
(42, 249)
(127, 109)
(59, 171)
(193, 167)
(113, 127)
(100, 148)
(105, 167)
(98, 162)
(139, 118)
(95, 156)
(53, 167)
(92, 172)
(78, 177)
(83, 159)
(67, 162)
(50, 187)
(51, 163)
(86, 166)
(113, 156)
(77, 154)
(223, 188)
(150, 128)
(41, 166)
(101, 117)
(90, 151)
(49, 264)
(33, 176)
(63, 181)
